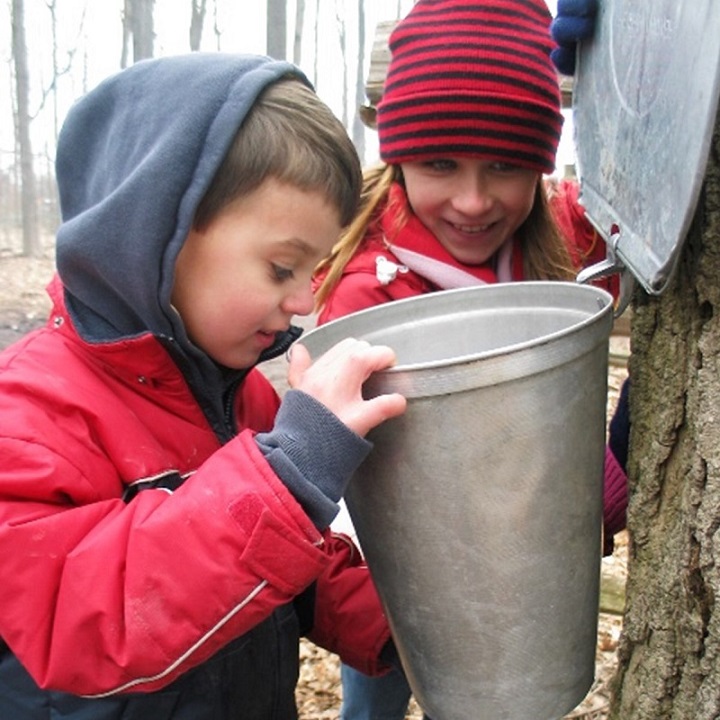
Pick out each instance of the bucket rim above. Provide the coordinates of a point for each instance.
(525, 289)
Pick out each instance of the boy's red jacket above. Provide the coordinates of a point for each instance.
(94, 594)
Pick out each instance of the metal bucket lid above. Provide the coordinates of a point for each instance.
(645, 101)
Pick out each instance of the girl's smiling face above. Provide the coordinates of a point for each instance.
(241, 279)
(471, 205)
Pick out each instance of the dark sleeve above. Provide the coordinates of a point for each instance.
(313, 453)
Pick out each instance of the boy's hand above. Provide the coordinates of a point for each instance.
(335, 379)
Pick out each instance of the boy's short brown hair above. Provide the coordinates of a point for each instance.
(292, 136)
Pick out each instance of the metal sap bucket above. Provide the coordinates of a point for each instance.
(479, 510)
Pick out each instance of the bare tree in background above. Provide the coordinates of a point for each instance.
(358, 127)
(299, 26)
(197, 20)
(59, 70)
(138, 28)
(31, 245)
(342, 38)
(316, 42)
(276, 34)
(216, 27)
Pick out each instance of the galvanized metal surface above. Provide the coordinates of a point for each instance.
(645, 101)
(479, 510)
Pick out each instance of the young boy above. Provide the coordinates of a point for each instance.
(163, 517)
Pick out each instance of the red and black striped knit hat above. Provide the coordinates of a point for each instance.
(472, 79)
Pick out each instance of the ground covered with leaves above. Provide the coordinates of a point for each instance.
(24, 305)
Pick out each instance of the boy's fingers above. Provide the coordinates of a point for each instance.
(300, 361)
(378, 357)
(390, 406)
(366, 415)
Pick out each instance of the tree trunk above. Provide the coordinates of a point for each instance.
(138, 26)
(316, 43)
(143, 29)
(126, 33)
(276, 32)
(216, 28)
(299, 26)
(197, 20)
(670, 648)
(30, 232)
(358, 127)
(52, 8)
(342, 39)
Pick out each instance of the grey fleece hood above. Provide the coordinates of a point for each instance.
(135, 157)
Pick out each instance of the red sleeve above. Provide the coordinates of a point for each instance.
(361, 290)
(615, 499)
(113, 579)
(349, 619)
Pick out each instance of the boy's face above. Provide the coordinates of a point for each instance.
(239, 281)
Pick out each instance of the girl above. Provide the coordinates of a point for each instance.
(469, 124)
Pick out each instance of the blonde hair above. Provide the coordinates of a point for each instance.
(545, 253)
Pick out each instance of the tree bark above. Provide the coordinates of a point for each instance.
(669, 657)
(30, 231)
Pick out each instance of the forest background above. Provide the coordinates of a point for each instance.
(57, 50)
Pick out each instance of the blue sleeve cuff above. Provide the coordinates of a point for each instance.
(313, 453)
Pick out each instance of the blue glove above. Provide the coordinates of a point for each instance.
(574, 21)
